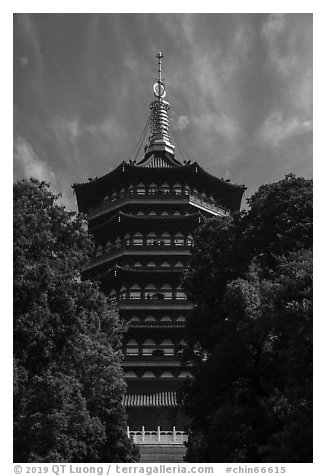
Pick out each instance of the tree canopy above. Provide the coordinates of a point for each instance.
(68, 379)
(250, 333)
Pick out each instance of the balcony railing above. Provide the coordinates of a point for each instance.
(129, 247)
(148, 296)
(157, 437)
(183, 304)
(183, 197)
(155, 324)
(151, 357)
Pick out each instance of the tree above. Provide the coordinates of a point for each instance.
(68, 380)
(250, 333)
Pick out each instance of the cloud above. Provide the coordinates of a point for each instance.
(31, 165)
(108, 127)
(280, 43)
(221, 124)
(181, 123)
(69, 128)
(276, 129)
(27, 29)
(131, 63)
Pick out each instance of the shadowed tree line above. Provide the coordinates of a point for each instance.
(68, 379)
(250, 333)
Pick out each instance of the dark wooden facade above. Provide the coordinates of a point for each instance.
(143, 219)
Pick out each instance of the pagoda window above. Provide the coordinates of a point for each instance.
(158, 353)
(179, 264)
(151, 239)
(181, 346)
(122, 192)
(117, 243)
(113, 296)
(135, 295)
(126, 239)
(166, 374)
(189, 240)
(148, 347)
(140, 190)
(114, 196)
(135, 292)
(140, 213)
(185, 374)
(152, 213)
(177, 189)
(123, 293)
(137, 264)
(132, 347)
(167, 346)
(151, 264)
(166, 239)
(134, 319)
(149, 319)
(158, 295)
(138, 239)
(148, 374)
(131, 189)
(165, 188)
(150, 291)
(180, 295)
(177, 213)
(165, 213)
(165, 264)
(166, 290)
(152, 189)
(130, 374)
(181, 319)
(186, 190)
(166, 319)
(179, 241)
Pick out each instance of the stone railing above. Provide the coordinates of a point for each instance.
(157, 437)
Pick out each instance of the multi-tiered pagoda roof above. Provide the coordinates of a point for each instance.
(142, 216)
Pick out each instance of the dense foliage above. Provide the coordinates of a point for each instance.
(68, 380)
(250, 333)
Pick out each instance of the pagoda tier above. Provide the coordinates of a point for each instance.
(122, 226)
(95, 196)
(143, 216)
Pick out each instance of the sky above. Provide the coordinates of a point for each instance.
(239, 85)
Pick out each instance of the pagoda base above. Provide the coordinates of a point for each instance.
(162, 454)
(152, 417)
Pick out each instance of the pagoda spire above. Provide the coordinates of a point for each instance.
(159, 140)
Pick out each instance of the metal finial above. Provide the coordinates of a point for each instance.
(159, 87)
(159, 56)
(159, 140)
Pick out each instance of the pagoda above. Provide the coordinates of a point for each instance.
(142, 216)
